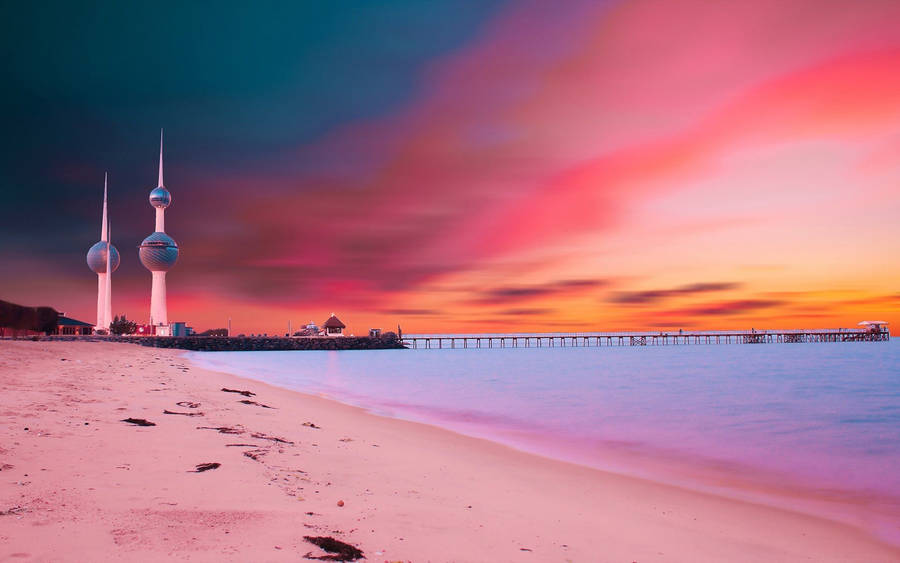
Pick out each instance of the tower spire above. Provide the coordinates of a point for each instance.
(104, 235)
(160, 158)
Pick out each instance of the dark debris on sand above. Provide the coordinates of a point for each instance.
(239, 392)
(222, 429)
(338, 550)
(138, 421)
(262, 436)
(256, 454)
(249, 402)
(12, 511)
(206, 467)
(167, 411)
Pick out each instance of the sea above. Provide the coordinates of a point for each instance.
(807, 427)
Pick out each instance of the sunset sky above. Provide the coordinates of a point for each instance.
(456, 166)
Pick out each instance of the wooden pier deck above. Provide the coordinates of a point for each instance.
(594, 339)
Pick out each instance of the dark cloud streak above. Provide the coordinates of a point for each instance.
(723, 308)
(411, 312)
(655, 295)
(511, 294)
(526, 311)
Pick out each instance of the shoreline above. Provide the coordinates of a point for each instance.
(101, 489)
(875, 512)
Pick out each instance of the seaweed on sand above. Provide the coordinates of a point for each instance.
(239, 392)
(206, 467)
(338, 550)
(138, 421)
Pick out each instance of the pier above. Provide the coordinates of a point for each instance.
(681, 338)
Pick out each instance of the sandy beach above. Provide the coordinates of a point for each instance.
(79, 484)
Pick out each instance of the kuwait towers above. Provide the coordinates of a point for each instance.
(159, 252)
(103, 259)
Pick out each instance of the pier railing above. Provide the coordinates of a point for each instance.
(663, 338)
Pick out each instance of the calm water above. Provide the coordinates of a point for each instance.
(786, 423)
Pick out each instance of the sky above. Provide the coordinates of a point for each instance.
(461, 166)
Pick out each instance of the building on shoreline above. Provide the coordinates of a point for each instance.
(311, 329)
(67, 326)
(181, 329)
(333, 326)
(874, 327)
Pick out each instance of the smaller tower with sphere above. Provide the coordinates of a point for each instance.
(159, 252)
(103, 259)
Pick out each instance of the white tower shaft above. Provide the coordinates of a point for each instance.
(158, 315)
(101, 303)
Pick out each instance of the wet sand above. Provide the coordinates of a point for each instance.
(78, 484)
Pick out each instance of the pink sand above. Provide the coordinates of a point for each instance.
(77, 484)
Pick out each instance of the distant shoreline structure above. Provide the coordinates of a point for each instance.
(17, 321)
(873, 331)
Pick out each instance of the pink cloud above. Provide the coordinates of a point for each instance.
(558, 122)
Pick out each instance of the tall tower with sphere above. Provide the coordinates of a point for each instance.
(159, 252)
(103, 259)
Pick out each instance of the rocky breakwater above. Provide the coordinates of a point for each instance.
(262, 343)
